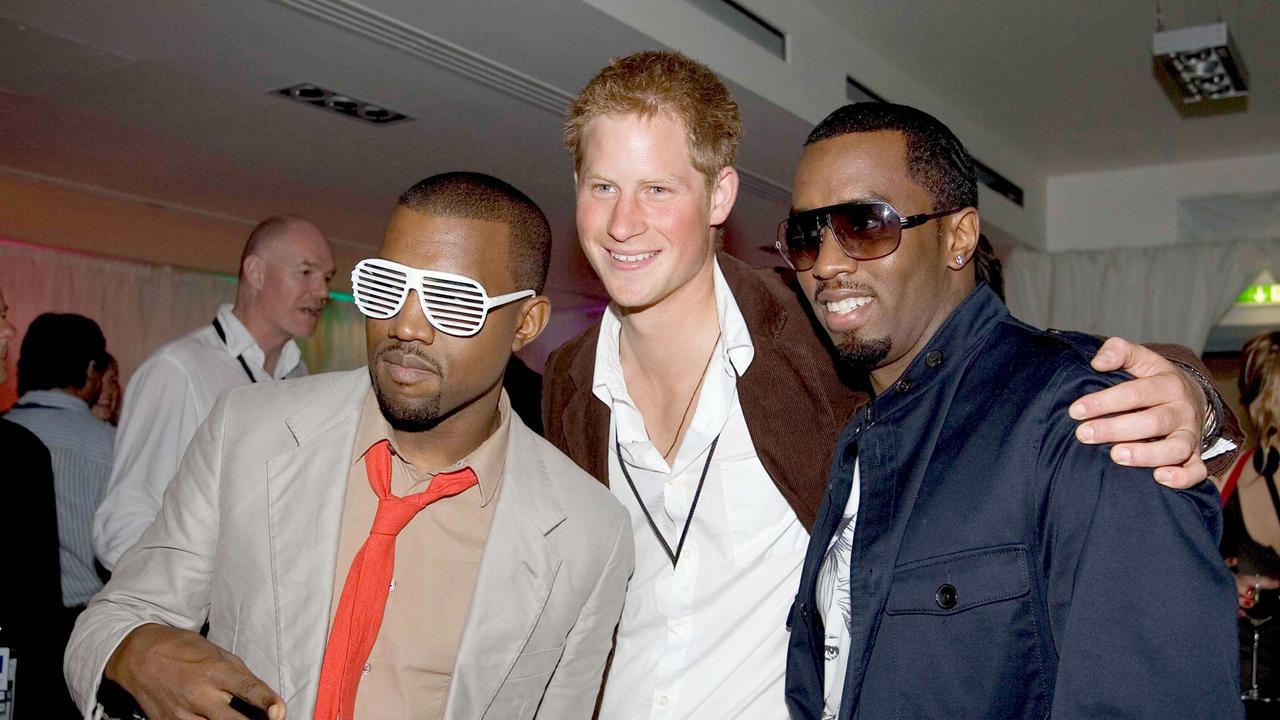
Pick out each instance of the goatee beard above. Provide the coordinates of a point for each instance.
(863, 353)
(419, 416)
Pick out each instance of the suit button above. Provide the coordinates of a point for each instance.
(933, 359)
(903, 386)
(946, 596)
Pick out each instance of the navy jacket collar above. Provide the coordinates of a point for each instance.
(962, 333)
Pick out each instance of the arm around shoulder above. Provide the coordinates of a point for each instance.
(1141, 607)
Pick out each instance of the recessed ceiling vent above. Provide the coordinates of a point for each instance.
(317, 96)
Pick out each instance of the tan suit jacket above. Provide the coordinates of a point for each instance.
(247, 537)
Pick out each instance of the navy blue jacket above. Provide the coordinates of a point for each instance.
(1000, 568)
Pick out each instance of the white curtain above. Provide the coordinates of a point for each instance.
(1172, 293)
(141, 307)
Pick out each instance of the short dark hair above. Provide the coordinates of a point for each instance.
(57, 350)
(987, 267)
(936, 159)
(476, 196)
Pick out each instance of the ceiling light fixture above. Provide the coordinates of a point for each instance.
(317, 96)
(1201, 62)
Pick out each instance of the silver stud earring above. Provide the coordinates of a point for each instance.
(959, 259)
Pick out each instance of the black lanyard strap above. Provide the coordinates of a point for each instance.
(222, 335)
(674, 556)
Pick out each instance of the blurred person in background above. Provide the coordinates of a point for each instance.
(107, 408)
(26, 487)
(1251, 520)
(60, 369)
(285, 270)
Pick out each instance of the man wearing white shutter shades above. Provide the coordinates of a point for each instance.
(385, 543)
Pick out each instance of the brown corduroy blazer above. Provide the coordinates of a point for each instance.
(794, 402)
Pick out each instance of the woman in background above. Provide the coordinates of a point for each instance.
(1251, 521)
(108, 406)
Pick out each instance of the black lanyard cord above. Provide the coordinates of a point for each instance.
(674, 556)
(222, 335)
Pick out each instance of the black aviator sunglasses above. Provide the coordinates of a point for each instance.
(864, 231)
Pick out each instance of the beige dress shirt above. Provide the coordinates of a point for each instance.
(437, 561)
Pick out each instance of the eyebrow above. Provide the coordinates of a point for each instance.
(658, 180)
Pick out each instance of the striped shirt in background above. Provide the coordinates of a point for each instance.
(80, 446)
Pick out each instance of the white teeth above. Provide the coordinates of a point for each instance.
(843, 306)
(631, 258)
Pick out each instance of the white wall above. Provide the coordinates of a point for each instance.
(1138, 207)
(811, 83)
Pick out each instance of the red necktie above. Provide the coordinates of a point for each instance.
(364, 595)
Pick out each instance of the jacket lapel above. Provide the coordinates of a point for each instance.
(793, 369)
(517, 571)
(585, 418)
(306, 486)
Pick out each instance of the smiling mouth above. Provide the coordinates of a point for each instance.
(847, 304)
(632, 258)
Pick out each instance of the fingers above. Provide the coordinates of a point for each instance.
(1176, 449)
(1113, 354)
(1183, 477)
(248, 696)
(179, 675)
(1120, 354)
(1140, 394)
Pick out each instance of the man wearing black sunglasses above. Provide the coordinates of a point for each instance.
(971, 559)
(706, 403)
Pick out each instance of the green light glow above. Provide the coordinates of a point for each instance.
(1260, 295)
(333, 294)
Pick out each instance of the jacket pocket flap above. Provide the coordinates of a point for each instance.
(949, 584)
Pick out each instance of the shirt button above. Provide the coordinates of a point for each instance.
(933, 359)
(903, 386)
(663, 700)
(365, 670)
(677, 628)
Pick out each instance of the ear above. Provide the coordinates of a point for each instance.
(255, 271)
(963, 237)
(724, 191)
(535, 313)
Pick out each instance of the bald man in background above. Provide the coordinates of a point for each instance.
(285, 271)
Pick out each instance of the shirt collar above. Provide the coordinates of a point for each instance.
(734, 334)
(487, 461)
(240, 342)
(716, 399)
(962, 333)
(736, 348)
(53, 399)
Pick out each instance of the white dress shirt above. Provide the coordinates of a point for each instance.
(834, 601)
(708, 639)
(166, 400)
(80, 450)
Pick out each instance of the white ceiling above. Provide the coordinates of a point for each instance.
(1071, 83)
(169, 100)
